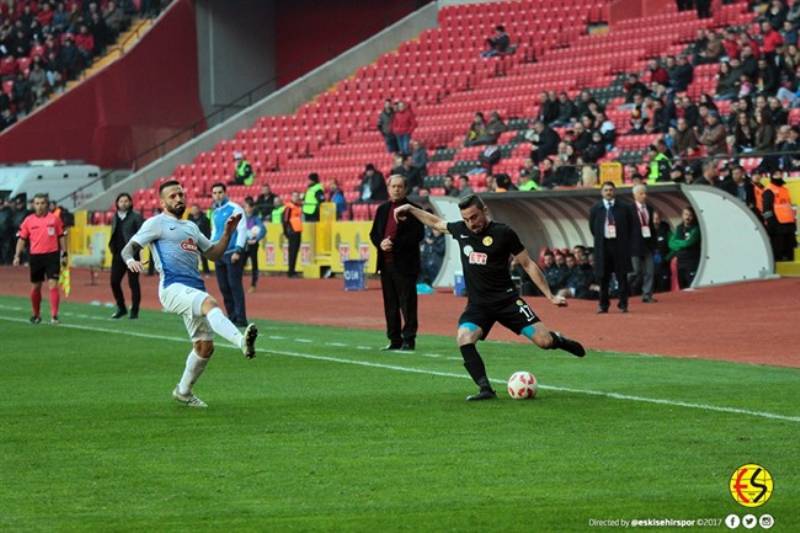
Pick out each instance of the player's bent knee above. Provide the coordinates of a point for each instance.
(208, 304)
(468, 335)
(204, 349)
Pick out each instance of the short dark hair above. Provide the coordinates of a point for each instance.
(249, 201)
(219, 184)
(40, 195)
(123, 195)
(168, 183)
(548, 252)
(609, 183)
(470, 200)
(314, 177)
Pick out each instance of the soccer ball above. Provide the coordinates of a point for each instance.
(522, 385)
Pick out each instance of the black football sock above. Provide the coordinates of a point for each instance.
(474, 365)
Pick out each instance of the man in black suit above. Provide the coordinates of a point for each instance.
(544, 140)
(204, 224)
(399, 266)
(643, 245)
(373, 186)
(611, 223)
(124, 226)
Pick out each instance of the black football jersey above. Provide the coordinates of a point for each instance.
(485, 260)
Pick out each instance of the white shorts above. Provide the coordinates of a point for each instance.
(187, 302)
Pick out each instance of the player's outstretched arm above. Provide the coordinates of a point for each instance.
(537, 277)
(129, 255)
(218, 250)
(429, 219)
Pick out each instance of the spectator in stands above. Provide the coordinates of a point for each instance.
(779, 217)
(23, 95)
(566, 110)
(503, 183)
(656, 72)
(419, 162)
(788, 143)
(684, 139)
(714, 136)
(585, 99)
(634, 86)
(477, 131)
(681, 75)
(548, 108)
(637, 122)
(544, 140)
(243, 171)
(700, 42)
(313, 198)
(684, 244)
(204, 224)
(7, 119)
(432, 255)
(727, 82)
(777, 113)
(528, 179)
(85, 43)
(385, 126)
(767, 80)
(743, 188)
(596, 149)
(464, 188)
(115, 18)
(776, 13)
(449, 187)
(265, 202)
(579, 281)
(765, 131)
(38, 82)
(744, 134)
(749, 62)
(607, 129)
(373, 186)
(495, 127)
(771, 39)
(611, 224)
(661, 266)
(713, 51)
(403, 125)
(547, 176)
(53, 69)
(406, 169)
(60, 20)
(498, 44)
(789, 34)
(70, 58)
(709, 175)
(293, 229)
(643, 245)
(730, 44)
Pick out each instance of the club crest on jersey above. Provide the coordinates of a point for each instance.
(189, 245)
(487, 241)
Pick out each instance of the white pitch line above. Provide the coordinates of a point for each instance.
(304, 341)
(411, 370)
(337, 344)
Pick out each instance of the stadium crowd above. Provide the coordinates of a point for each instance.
(44, 44)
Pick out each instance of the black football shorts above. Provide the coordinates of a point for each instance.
(515, 314)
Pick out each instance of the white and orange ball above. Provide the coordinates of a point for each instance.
(522, 385)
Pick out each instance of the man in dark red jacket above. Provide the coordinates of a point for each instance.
(403, 125)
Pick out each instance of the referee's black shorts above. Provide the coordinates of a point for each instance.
(513, 313)
(45, 266)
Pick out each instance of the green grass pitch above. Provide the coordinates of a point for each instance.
(324, 432)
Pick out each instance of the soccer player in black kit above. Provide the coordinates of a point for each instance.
(486, 247)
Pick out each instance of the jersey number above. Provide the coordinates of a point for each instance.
(526, 312)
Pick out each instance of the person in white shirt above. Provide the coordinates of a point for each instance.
(175, 246)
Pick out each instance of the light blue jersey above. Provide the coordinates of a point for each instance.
(175, 246)
(222, 212)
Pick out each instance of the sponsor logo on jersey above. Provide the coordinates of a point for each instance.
(189, 245)
(487, 241)
(478, 258)
(468, 250)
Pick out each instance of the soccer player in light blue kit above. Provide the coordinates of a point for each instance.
(175, 246)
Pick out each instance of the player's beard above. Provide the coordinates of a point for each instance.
(177, 210)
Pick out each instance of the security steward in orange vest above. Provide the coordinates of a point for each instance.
(779, 218)
(293, 229)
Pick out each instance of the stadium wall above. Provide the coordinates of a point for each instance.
(309, 32)
(133, 104)
(236, 51)
(735, 245)
(283, 101)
